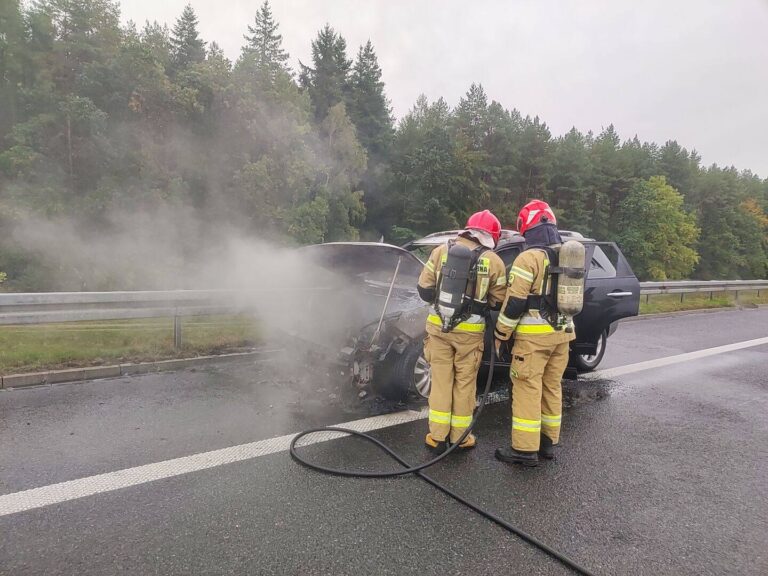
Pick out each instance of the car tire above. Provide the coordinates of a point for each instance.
(588, 362)
(409, 374)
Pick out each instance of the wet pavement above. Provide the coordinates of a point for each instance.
(662, 471)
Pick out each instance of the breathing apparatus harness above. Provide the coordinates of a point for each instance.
(455, 289)
(556, 301)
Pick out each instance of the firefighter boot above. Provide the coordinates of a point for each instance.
(436, 446)
(546, 448)
(512, 456)
(469, 442)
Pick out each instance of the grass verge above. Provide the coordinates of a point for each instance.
(672, 303)
(51, 346)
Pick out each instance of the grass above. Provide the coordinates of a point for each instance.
(671, 302)
(51, 346)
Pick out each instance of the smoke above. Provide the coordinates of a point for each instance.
(174, 248)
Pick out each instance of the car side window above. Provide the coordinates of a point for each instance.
(604, 260)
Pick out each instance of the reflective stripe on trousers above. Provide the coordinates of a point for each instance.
(439, 417)
(526, 425)
(460, 421)
(551, 420)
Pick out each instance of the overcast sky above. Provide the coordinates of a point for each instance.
(691, 70)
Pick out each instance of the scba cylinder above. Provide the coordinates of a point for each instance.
(454, 278)
(570, 282)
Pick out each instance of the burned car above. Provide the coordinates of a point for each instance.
(366, 313)
(379, 319)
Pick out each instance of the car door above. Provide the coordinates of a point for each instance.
(611, 292)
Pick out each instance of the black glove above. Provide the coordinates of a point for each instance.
(503, 350)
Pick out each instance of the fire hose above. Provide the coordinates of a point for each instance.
(418, 471)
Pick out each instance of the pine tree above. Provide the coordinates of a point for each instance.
(570, 175)
(11, 61)
(535, 162)
(680, 169)
(264, 46)
(187, 47)
(368, 107)
(472, 116)
(328, 82)
(156, 38)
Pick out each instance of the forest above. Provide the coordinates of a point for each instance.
(104, 124)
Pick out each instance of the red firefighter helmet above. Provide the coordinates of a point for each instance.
(487, 222)
(534, 213)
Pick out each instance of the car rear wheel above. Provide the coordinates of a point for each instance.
(588, 362)
(410, 374)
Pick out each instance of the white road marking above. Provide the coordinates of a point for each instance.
(609, 373)
(110, 481)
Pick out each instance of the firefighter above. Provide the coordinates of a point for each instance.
(541, 341)
(454, 350)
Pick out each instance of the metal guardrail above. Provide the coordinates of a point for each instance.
(52, 307)
(693, 286)
(684, 287)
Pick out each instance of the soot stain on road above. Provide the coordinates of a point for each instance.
(581, 392)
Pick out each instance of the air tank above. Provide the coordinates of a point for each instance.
(454, 279)
(570, 281)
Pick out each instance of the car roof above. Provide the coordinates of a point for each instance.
(507, 237)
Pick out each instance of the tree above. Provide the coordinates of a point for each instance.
(569, 182)
(754, 235)
(264, 46)
(11, 61)
(609, 182)
(471, 117)
(156, 40)
(535, 148)
(328, 81)
(342, 173)
(679, 167)
(657, 235)
(369, 108)
(187, 47)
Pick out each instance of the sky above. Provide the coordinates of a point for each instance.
(695, 71)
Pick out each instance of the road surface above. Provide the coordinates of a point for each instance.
(663, 469)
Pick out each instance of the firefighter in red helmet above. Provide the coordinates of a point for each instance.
(541, 341)
(462, 279)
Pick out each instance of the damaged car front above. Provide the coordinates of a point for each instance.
(367, 316)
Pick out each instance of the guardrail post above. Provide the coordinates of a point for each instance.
(647, 298)
(177, 332)
(682, 294)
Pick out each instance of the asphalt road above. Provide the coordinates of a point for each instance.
(661, 471)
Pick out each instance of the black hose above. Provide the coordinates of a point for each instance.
(408, 469)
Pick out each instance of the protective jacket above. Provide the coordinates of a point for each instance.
(490, 286)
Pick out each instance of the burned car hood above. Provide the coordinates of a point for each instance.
(348, 288)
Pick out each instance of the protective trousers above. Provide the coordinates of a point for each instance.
(454, 359)
(537, 396)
